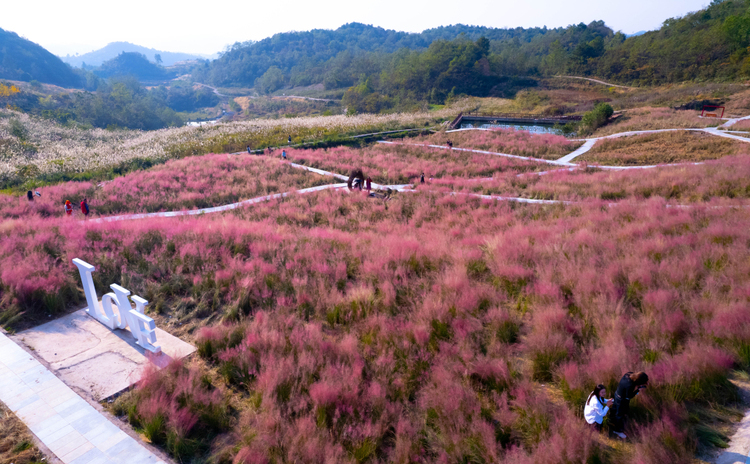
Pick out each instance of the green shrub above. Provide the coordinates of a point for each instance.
(595, 118)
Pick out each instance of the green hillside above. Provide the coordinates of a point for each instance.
(23, 60)
(334, 57)
(711, 44)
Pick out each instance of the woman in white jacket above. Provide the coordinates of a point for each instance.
(597, 407)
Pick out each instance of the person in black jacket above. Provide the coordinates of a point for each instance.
(630, 385)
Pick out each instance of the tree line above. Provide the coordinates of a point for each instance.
(384, 69)
(119, 102)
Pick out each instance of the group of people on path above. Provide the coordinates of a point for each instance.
(597, 406)
(84, 207)
(357, 184)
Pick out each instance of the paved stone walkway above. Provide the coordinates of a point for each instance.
(69, 426)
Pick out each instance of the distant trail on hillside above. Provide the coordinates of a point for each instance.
(598, 82)
(303, 98)
(215, 90)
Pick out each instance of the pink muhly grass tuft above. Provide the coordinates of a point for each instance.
(247, 455)
(696, 364)
(663, 441)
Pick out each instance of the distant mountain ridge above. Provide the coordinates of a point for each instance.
(133, 64)
(112, 50)
(23, 60)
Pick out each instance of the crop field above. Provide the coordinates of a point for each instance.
(662, 148)
(435, 326)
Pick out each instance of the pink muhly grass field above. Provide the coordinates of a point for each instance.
(509, 141)
(429, 328)
(189, 183)
(721, 181)
(402, 164)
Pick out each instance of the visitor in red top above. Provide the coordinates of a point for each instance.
(368, 184)
(68, 207)
(85, 207)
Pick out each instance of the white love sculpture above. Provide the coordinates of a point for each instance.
(141, 326)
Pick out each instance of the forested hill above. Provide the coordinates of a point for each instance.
(111, 50)
(318, 55)
(23, 60)
(133, 64)
(708, 44)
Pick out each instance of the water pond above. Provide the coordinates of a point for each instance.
(533, 128)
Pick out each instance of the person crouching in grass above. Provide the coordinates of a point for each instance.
(597, 407)
(630, 385)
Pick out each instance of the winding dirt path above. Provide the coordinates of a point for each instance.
(597, 81)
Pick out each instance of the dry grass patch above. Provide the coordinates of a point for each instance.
(661, 148)
(743, 125)
(16, 443)
(656, 118)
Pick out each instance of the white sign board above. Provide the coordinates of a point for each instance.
(141, 326)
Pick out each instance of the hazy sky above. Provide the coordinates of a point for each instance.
(80, 26)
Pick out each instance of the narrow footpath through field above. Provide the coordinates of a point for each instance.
(61, 419)
(564, 161)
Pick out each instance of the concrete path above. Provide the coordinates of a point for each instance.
(566, 160)
(588, 145)
(63, 421)
(506, 155)
(739, 446)
(734, 121)
(91, 358)
(215, 209)
(720, 133)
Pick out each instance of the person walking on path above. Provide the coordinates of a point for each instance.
(289, 140)
(85, 207)
(368, 184)
(630, 385)
(597, 407)
(248, 149)
(283, 154)
(68, 207)
(30, 195)
(421, 179)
